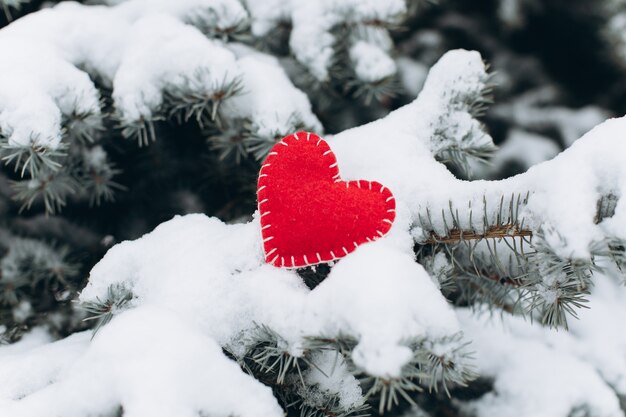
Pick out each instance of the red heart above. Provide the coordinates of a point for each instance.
(308, 215)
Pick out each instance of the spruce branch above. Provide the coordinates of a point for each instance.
(229, 141)
(479, 104)
(269, 356)
(259, 144)
(32, 158)
(606, 207)
(238, 31)
(491, 232)
(211, 23)
(557, 286)
(458, 137)
(344, 78)
(474, 146)
(506, 223)
(440, 363)
(52, 188)
(12, 287)
(268, 360)
(447, 362)
(377, 91)
(30, 266)
(10, 334)
(83, 127)
(143, 130)
(414, 7)
(117, 299)
(7, 5)
(508, 265)
(194, 100)
(95, 175)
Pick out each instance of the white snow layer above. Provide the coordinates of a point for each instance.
(312, 39)
(142, 49)
(200, 284)
(270, 101)
(544, 373)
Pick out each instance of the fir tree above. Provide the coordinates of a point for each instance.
(486, 298)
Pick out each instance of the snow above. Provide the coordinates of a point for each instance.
(569, 370)
(167, 55)
(153, 273)
(267, 14)
(371, 63)
(200, 285)
(34, 97)
(203, 286)
(332, 378)
(34, 361)
(269, 100)
(149, 353)
(142, 49)
(563, 192)
(312, 41)
(393, 300)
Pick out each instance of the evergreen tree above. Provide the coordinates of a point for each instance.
(486, 297)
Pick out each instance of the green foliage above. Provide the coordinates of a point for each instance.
(11, 5)
(103, 310)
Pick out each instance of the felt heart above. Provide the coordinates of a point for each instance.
(308, 214)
